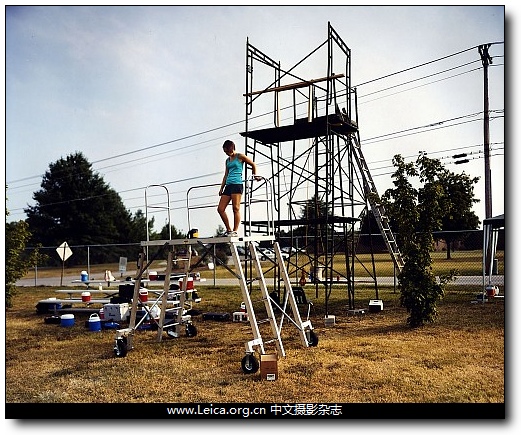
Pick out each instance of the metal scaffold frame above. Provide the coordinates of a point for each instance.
(315, 149)
(318, 151)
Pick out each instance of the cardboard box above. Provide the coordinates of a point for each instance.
(116, 312)
(268, 366)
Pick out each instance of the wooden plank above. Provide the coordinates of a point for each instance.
(295, 85)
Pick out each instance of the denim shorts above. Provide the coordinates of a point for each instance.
(230, 189)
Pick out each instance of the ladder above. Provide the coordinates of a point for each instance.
(249, 363)
(377, 207)
(175, 306)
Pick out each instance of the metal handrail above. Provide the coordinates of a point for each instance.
(159, 207)
(188, 208)
(268, 200)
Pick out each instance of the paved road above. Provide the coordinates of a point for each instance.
(498, 280)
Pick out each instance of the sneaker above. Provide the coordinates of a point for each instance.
(231, 233)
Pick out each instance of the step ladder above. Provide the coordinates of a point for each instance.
(265, 313)
(377, 207)
(179, 321)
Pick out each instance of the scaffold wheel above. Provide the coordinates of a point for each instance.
(249, 364)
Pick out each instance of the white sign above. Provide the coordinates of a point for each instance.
(64, 251)
(122, 264)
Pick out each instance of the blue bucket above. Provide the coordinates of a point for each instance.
(94, 323)
(67, 320)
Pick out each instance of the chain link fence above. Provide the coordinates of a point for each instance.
(460, 251)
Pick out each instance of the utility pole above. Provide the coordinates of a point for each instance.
(486, 60)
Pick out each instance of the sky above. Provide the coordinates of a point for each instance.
(149, 94)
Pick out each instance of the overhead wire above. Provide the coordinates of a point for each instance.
(374, 139)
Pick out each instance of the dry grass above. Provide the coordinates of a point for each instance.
(368, 359)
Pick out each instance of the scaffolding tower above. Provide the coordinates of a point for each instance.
(311, 152)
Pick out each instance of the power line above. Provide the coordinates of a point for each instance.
(239, 122)
(217, 173)
(424, 77)
(423, 64)
(397, 134)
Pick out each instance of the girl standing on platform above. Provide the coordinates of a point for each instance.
(232, 186)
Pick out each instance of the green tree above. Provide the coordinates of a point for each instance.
(138, 226)
(314, 208)
(138, 232)
(175, 233)
(75, 205)
(312, 211)
(17, 260)
(417, 213)
(458, 214)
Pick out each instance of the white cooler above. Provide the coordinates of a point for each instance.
(116, 312)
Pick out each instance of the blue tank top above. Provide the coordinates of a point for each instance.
(234, 170)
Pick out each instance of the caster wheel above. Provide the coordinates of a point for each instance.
(312, 338)
(120, 347)
(191, 330)
(249, 364)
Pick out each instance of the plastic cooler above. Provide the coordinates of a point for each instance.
(85, 296)
(67, 320)
(189, 284)
(143, 295)
(94, 322)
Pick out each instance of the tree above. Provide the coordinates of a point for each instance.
(417, 213)
(17, 261)
(138, 231)
(458, 215)
(175, 233)
(138, 226)
(76, 205)
(456, 201)
(313, 210)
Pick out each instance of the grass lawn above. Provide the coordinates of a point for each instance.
(372, 358)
